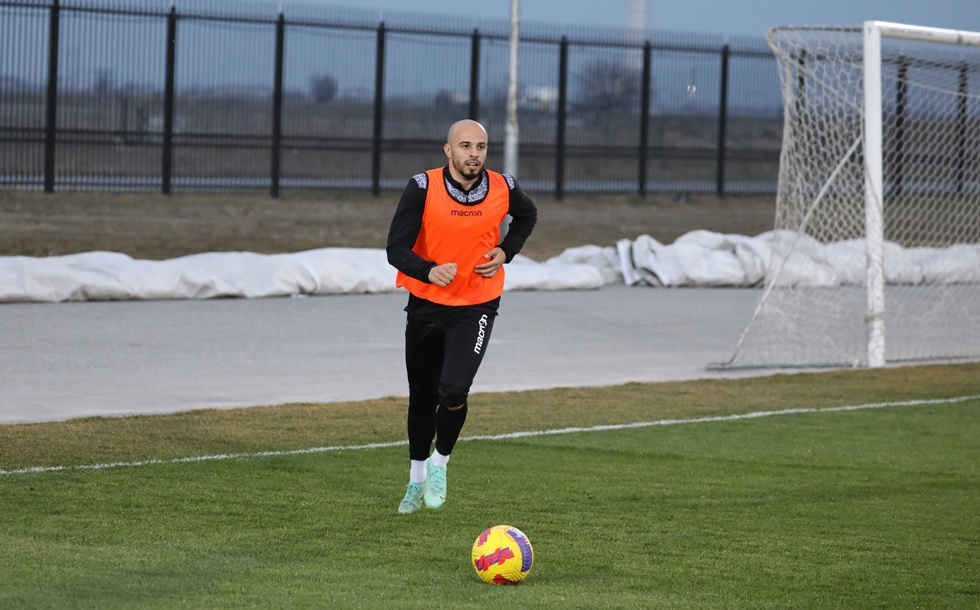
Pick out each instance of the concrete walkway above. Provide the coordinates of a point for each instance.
(69, 360)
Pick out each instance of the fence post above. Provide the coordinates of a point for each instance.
(277, 105)
(379, 100)
(168, 102)
(51, 102)
(645, 118)
(799, 96)
(962, 88)
(901, 96)
(562, 119)
(722, 122)
(475, 76)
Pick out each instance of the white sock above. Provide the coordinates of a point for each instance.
(439, 459)
(418, 471)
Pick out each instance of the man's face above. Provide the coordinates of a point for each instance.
(467, 151)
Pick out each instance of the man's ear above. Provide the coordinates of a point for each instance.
(447, 149)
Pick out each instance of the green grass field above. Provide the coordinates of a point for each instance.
(816, 507)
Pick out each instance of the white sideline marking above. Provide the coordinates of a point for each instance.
(494, 437)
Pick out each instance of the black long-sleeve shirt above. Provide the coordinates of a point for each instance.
(407, 223)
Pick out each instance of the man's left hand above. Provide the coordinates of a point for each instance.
(495, 260)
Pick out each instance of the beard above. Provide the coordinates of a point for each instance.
(467, 171)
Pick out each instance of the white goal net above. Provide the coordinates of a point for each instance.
(876, 246)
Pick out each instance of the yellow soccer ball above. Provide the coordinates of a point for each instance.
(502, 555)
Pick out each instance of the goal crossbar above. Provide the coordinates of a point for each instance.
(925, 34)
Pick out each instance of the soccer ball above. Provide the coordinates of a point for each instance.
(502, 555)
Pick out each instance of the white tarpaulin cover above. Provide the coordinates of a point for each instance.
(99, 276)
(698, 258)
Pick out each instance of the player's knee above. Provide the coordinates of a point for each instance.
(453, 399)
(421, 407)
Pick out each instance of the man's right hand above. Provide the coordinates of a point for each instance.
(442, 275)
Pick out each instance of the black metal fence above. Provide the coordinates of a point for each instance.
(155, 95)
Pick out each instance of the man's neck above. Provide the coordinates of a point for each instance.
(466, 184)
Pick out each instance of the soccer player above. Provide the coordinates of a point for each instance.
(445, 243)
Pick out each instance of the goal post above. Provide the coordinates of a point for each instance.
(874, 195)
(875, 253)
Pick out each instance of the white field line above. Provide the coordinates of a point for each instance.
(494, 437)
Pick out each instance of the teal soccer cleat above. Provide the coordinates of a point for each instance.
(412, 500)
(435, 486)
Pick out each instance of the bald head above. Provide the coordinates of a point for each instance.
(467, 126)
(466, 149)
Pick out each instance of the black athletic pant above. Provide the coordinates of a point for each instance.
(442, 360)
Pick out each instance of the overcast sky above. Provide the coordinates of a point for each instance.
(725, 17)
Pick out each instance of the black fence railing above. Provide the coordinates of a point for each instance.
(154, 95)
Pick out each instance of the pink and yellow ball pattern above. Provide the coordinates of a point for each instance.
(502, 555)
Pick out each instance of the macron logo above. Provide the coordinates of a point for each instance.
(481, 335)
(466, 212)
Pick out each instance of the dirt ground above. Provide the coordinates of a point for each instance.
(156, 227)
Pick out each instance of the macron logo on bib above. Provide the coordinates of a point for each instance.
(466, 212)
